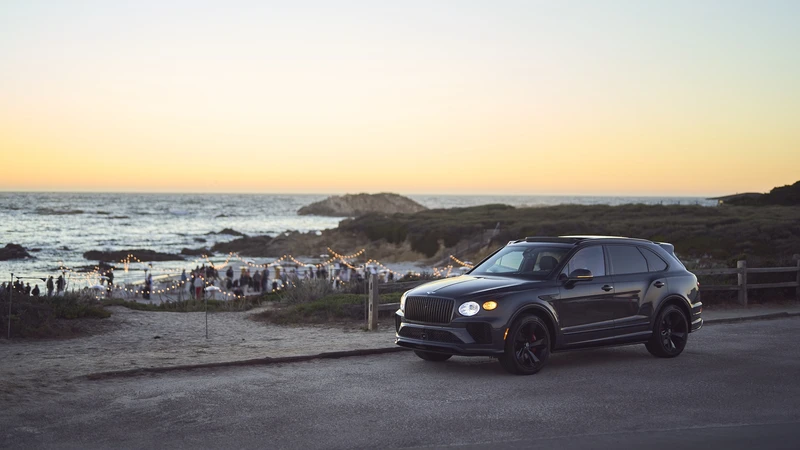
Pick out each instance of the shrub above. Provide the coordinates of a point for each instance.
(331, 308)
(43, 317)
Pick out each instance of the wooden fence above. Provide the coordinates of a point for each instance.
(742, 286)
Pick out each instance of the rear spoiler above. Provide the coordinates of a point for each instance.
(671, 250)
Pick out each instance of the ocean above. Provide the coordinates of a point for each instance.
(57, 228)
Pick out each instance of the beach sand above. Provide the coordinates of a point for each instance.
(140, 339)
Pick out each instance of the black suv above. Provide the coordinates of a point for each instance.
(542, 294)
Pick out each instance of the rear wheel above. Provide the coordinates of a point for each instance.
(669, 333)
(527, 346)
(429, 356)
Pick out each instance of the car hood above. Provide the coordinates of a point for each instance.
(469, 285)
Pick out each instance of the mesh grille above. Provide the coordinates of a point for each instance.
(480, 332)
(429, 309)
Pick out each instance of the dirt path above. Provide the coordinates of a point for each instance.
(137, 339)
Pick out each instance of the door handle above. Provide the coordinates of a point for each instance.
(607, 288)
(658, 284)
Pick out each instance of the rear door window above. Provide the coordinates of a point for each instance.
(654, 262)
(626, 259)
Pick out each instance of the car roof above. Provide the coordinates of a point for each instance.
(574, 240)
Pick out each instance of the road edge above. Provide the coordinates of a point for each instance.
(778, 315)
(244, 362)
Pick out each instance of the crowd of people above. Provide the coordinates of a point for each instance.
(23, 288)
(250, 279)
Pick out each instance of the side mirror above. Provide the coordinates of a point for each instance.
(579, 275)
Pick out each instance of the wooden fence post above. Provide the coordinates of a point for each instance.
(372, 311)
(797, 291)
(742, 267)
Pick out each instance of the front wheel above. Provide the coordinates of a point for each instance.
(669, 333)
(429, 356)
(527, 346)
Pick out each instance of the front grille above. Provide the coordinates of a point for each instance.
(429, 309)
(426, 334)
(481, 332)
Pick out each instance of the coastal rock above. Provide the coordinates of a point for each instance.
(13, 251)
(143, 255)
(228, 231)
(196, 251)
(252, 246)
(353, 205)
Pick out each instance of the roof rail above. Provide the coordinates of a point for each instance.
(587, 237)
(559, 240)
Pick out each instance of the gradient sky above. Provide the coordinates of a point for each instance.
(612, 97)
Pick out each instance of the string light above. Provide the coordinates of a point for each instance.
(461, 262)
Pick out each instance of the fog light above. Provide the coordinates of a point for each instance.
(469, 309)
(490, 305)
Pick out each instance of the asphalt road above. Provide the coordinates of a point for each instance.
(735, 386)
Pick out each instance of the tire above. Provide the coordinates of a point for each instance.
(670, 332)
(527, 348)
(430, 356)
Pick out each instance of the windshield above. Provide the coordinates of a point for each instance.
(534, 261)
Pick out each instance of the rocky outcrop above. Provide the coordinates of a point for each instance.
(13, 251)
(353, 205)
(196, 252)
(142, 255)
(228, 231)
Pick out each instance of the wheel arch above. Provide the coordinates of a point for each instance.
(678, 301)
(543, 313)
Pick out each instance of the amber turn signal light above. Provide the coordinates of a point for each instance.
(490, 305)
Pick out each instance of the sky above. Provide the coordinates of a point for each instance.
(453, 97)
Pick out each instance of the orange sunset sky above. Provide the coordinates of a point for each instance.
(510, 97)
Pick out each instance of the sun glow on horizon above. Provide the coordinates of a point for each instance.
(522, 98)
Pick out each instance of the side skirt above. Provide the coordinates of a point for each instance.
(626, 339)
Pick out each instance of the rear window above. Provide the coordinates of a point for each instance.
(626, 259)
(654, 262)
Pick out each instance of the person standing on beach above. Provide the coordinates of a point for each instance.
(35, 291)
(257, 281)
(60, 285)
(110, 275)
(50, 286)
(198, 288)
(191, 285)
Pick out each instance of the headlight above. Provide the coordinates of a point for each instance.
(469, 309)
(403, 301)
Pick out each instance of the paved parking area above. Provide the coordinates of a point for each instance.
(736, 385)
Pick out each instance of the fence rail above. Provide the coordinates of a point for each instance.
(742, 286)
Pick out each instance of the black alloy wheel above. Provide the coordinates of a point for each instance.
(670, 333)
(527, 346)
(434, 357)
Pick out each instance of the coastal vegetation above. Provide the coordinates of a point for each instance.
(764, 235)
(49, 317)
(769, 234)
(788, 195)
(332, 307)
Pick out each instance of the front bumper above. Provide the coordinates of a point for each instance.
(462, 336)
(697, 319)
